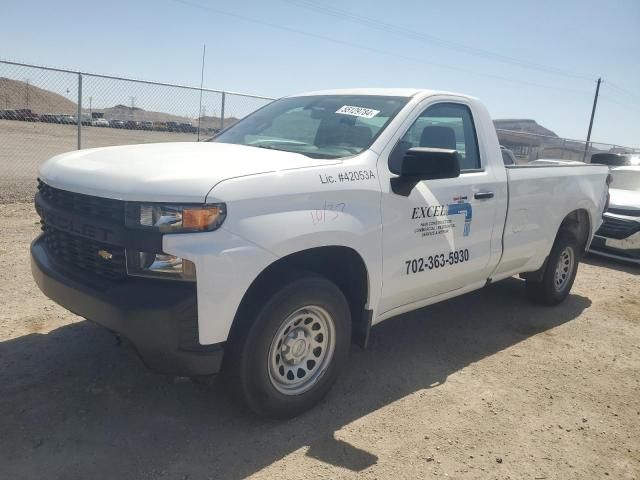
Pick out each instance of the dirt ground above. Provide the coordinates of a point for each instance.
(24, 146)
(484, 386)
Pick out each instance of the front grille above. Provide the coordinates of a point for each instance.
(617, 228)
(82, 253)
(77, 252)
(95, 207)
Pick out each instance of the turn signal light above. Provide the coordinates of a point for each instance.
(201, 219)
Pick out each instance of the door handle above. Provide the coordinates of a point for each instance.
(483, 195)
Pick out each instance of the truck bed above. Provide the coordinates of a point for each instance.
(530, 212)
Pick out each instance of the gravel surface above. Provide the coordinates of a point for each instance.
(482, 386)
(24, 146)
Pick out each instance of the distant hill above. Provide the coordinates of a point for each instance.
(15, 94)
(523, 125)
(124, 112)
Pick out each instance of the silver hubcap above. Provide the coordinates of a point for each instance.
(301, 350)
(563, 269)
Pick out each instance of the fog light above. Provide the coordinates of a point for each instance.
(160, 265)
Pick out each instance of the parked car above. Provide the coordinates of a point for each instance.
(508, 158)
(99, 122)
(555, 161)
(132, 125)
(173, 127)
(285, 238)
(26, 115)
(49, 118)
(146, 125)
(619, 235)
(7, 114)
(615, 159)
(187, 128)
(67, 119)
(113, 123)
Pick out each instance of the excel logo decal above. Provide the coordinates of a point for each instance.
(434, 219)
(464, 207)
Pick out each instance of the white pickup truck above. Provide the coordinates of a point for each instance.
(267, 251)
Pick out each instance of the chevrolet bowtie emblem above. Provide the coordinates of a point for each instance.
(103, 254)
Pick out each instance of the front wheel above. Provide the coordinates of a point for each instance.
(293, 349)
(559, 274)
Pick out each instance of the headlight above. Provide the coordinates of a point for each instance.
(160, 265)
(175, 218)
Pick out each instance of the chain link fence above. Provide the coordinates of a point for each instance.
(46, 111)
(527, 147)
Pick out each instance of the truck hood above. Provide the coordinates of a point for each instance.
(164, 172)
(627, 199)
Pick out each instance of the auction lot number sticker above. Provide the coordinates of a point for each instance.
(357, 111)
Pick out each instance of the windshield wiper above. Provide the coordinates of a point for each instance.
(271, 147)
(306, 154)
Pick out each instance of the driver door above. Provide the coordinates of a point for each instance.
(438, 237)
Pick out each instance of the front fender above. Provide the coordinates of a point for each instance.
(226, 264)
(289, 212)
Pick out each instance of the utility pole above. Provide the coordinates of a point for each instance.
(204, 52)
(133, 107)
(27, 81)
(593, 112)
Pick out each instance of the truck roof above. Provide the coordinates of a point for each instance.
(390, 92)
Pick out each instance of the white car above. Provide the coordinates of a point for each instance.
(282, 241)
(554, 161)
(99, 122)
(619, 235)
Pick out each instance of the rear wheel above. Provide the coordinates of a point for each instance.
(290, 353)
(559, 274)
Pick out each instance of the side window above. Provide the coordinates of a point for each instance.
(444, 125)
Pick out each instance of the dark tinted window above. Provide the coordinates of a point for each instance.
(444, 125)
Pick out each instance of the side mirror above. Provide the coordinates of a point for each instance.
(420, 163)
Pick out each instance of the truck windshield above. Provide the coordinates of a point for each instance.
(318, 126)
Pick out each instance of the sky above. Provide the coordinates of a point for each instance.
(537, 60)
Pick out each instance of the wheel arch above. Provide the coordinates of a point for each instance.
(578, 224)
(342, 265)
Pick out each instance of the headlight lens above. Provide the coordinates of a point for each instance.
(175, 218)
(160, 265)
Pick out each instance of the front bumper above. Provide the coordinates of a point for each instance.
(618, 237)
(627, 249)
(159, 317)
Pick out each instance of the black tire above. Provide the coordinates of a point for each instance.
(546, 291)
(248, 362)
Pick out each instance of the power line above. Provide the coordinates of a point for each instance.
(430, 39)
(370, 49)
(623, 91)
(626, 106)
